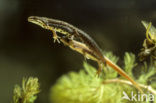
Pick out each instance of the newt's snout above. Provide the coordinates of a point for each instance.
(38, 21)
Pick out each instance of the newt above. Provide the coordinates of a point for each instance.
(74, 34)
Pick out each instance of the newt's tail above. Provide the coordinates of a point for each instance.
(121, 72)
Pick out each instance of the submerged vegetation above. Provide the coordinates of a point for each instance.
(85, 87)
(27, 92)
(149, 44)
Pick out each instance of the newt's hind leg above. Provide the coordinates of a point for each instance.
(101, 66)
(99, 69)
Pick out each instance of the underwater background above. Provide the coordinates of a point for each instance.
(28, 50)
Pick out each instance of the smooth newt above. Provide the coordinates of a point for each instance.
(72, 33)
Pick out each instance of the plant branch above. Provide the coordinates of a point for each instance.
(149, 88)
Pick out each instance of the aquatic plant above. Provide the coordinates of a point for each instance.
(27, 92)
(85, 87)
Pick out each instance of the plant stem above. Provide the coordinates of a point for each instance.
(149, 88)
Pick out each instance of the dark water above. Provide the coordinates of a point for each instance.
(27, 50)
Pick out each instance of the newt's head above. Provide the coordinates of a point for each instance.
(41, 21)
(52, 24)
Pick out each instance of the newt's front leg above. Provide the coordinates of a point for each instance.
(55, 36)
